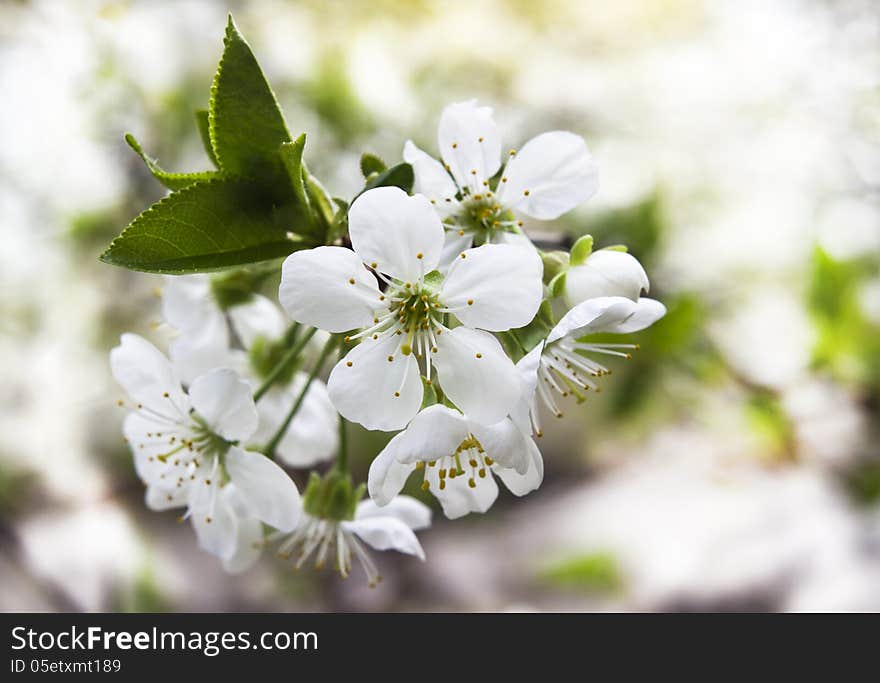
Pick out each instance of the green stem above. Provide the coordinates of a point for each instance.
(270, 447)
(283, 364)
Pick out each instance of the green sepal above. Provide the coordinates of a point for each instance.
(616, 247)
(557, 284)
(532, 334)
(371, 164)
(554, 262)
(332, 496)
(429, 397)
(173, 181)
(433, 280)
(581, 249)
(401, 176)
(204, 126)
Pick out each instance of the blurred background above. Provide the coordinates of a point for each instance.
(732, 465)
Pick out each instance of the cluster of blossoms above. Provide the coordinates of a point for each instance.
(449, 325)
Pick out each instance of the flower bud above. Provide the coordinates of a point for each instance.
(606, 272)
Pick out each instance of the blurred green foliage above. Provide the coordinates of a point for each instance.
(597, 572)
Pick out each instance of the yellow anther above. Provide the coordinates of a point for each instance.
(390, 358)
(396, 394)
(420, 255)
(473, 171)
(472, 462)
(454, 145)
(207, 520)
(348, 363)
(374, 265)
(479, 355)
(482, 472)
(470, 302)
(442, 473)
(460, 234)
(381, 297)
(526, 193)
(489, 461)
(426, 485)
(351, 280)
(472, 483)
(463, 255)
(420, 464)
(504, 180)
(442, 484)
(480, 139)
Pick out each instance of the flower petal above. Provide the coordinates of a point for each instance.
(224, 400)
(453, 245)
(469, 143)
(432, 180)
(550, 175)
(646, 313)
(458, 498)
(591, 316)
(312, 436)
(527, 367)
(414, 513)
(365, 387)
(248, 546)
(148, 377)
(159, 499)
(387, 474)
(505, 443)
(476, 374)
(494, 287)
(259, 317)
(521, 484)
(217, 530)
(606, 272)
(386, 533)
(316, 289)
(188, 305)
(264, 488)
(432, 434)
(401, 235)
(195, 353)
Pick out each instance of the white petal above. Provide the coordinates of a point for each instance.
(147, 376)
(312, 436)
(149, 438)
(386, 533)
(373, 391)
(248, 546)
(606, 272)
(188, 305)
(266, 490)
(249, 533)
(434, 433)
(458, 498)
(646, 313)
(414, 513)
(495, 287)
(556, 170)
(259, 317)
(387, 474)
(217, 529)
(159, 499)
(487, 387)
(316, 289)
(469, 143)
(402, 235)
(592, 316)
(224, 400)
(505, 443)
(195, 353)
(453, 245)
(527, 367)
(521, 484)
(432, 180)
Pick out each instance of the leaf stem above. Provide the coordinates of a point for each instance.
(270, 447)
(284, 363)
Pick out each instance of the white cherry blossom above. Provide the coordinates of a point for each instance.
(204, 343)
(458, 460)
(565, 366)
(400, 238)
(552, 173)
(186, 449)
(606, 272)
(387, 528)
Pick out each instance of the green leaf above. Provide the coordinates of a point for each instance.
(557, 284)
(581, 249)
(204, 126)
(292, 157)
(371, 164)
(173, 181)
(246, 124)
(397, 176)
(206, 226)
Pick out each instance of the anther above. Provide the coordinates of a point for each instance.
(470, 302)
(526, 193)
(479, 355)
(351, 280)
(390, 358)
(420, 255)
(348, 363)
(472, 483)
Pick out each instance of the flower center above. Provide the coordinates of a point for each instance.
(484, 218)
(469, 460)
